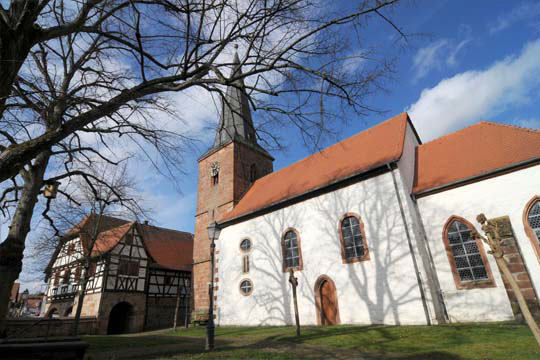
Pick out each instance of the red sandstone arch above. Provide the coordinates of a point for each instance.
(528, 230)
(120, 318)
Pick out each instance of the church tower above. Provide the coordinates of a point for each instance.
(226, 171)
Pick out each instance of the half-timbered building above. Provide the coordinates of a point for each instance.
(139, 275)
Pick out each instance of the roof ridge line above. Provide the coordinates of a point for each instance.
(512, 126)
(160, 227)
(333, 145)
(452, 133)
(482, 122)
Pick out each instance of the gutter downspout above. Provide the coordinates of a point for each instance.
(437, 294)
(415, 263)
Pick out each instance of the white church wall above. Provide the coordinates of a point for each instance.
(499, 196)
(383, 289)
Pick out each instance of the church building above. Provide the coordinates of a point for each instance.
(377, 228)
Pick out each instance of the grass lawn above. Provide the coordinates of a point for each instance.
(471, 341)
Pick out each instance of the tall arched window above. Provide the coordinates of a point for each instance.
(531, 221)
(353, 239)
(292, 253)
(468, 261)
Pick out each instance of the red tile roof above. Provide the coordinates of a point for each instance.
(169, 248)
(473, 151)
(87, 225)
(373, 147)
(108, 239)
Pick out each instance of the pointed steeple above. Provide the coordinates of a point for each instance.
(235, 122)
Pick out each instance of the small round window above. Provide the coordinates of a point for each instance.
(245, 245)
(246, 287)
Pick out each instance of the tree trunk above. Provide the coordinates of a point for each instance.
(84, 283)
(16, 40)
(521, 301)
(177, 307)
(11, 250)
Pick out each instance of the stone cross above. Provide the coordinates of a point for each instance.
(294, 283)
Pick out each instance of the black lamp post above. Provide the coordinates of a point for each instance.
(213, 235)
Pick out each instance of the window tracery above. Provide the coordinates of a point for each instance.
(353, 239)
(468, 261)
(292, 252)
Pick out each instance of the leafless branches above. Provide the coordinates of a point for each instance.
(78, 78)
(288, 47)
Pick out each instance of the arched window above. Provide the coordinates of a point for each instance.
(245, 246)
(531, 220)
(53, 313)
(353, 239)
(292, 253)
(468, 261)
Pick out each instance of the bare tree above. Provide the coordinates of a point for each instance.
(115, 196)
(62, 79)
(97, 67)
(288, 47)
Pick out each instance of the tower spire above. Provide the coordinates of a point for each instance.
(235, 122)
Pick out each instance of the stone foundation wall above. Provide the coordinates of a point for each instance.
(60, 306)
(160, 313)
(43, 327)
(90, 304)
(136, 318)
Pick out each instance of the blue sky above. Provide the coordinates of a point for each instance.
(466, 62)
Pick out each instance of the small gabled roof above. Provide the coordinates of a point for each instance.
(108, 239)
(477, 150)
(88, 223)
(364, 151)
(169, 248)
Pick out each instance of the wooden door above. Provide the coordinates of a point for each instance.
(328, 304)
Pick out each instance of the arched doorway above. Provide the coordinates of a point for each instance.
(53, 313)
(326, 301)
(119, 318)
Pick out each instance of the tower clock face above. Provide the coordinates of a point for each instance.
(214, 168)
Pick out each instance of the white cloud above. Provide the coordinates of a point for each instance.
(526, 11)
(428, 58)
(473, 95)
(451, 60)
(437, 54)
(354, 61)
